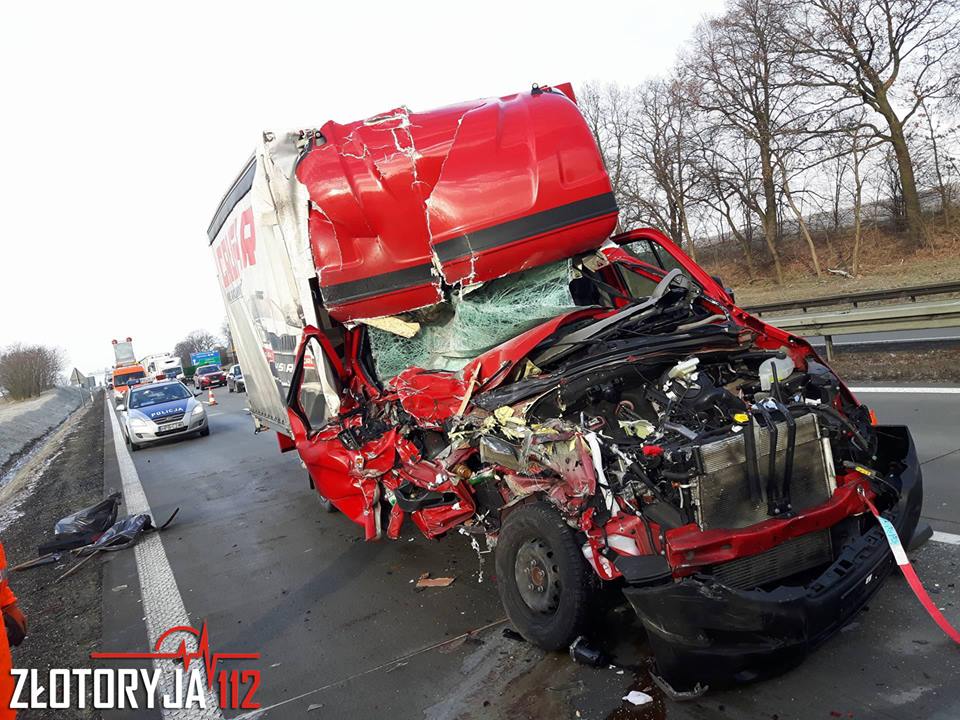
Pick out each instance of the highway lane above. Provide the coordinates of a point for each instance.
(934, 421)
(339, 624)
(256, 558)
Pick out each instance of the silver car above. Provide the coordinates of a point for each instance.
(235, 382)
(161, 410)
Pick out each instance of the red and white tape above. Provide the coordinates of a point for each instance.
(900, 555)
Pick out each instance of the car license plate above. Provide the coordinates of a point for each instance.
(173, 426)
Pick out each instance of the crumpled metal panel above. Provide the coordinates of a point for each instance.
(403, 203)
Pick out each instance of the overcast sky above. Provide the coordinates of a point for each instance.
(124, 123)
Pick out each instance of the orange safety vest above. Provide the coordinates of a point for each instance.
(6, 662)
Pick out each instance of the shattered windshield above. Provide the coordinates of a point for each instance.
(452, 333)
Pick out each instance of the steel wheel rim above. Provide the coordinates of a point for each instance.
(538, 576)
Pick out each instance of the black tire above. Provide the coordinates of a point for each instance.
(133, 446)
(552, 608)
(205, 431)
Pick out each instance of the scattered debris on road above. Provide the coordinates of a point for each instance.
(84, 526)
(581, 652)
(122, 535)
(637, 697)
(47, 559)
(425, 581)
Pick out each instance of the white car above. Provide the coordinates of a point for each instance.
(161, 410)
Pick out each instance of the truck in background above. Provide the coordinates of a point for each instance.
(162, 367)
(126, 370)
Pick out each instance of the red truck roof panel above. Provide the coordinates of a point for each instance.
(403, 202)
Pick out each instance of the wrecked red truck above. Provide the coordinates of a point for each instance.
(432, 310)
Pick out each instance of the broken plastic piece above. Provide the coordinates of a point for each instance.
(679, 695)
(582, 653)
(684, 369)
(425, 581)
(637, 428)
(394, 325)
(637, 697)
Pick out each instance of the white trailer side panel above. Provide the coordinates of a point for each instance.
(261, 246)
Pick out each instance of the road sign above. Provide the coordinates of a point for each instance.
(208, 357)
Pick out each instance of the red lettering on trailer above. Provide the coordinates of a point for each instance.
(248, 238)
(236, 248)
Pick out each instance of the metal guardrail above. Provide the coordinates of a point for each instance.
(912, 292)
(906, 316)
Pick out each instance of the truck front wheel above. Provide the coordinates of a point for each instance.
(543, 579)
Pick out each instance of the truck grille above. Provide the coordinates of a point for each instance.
(788, 558)
(722, 495)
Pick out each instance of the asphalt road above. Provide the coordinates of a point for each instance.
(934, 420)
(342, 632)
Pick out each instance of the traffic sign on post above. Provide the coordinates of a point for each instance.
(208, 357)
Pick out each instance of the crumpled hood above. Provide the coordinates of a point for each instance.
(157, 413)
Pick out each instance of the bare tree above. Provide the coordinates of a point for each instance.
(858, 152)
(725, 200)
(196, 341)
(801, 223)
(608, 110)
(28, 370)
(226, 334)
(934, 138)
(662, 141)
(891, 55)
(743, 66)
(893, 185)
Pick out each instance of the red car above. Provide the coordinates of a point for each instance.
(209, 376)
(482, 357)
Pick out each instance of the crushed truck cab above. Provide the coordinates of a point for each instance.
(432, 309)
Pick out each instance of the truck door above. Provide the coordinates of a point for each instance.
(338, 470)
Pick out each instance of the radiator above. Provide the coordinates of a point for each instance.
(788, 558)
(721, 492)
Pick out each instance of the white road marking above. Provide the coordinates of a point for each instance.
(948, 538)
(163, 606)
(905, 390)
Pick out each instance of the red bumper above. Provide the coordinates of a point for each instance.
(689, 547)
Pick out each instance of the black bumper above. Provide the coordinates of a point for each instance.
(702, 631)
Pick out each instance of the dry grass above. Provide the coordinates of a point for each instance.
(888, 260)
(936, 365)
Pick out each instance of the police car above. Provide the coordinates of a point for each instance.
(159, 410)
